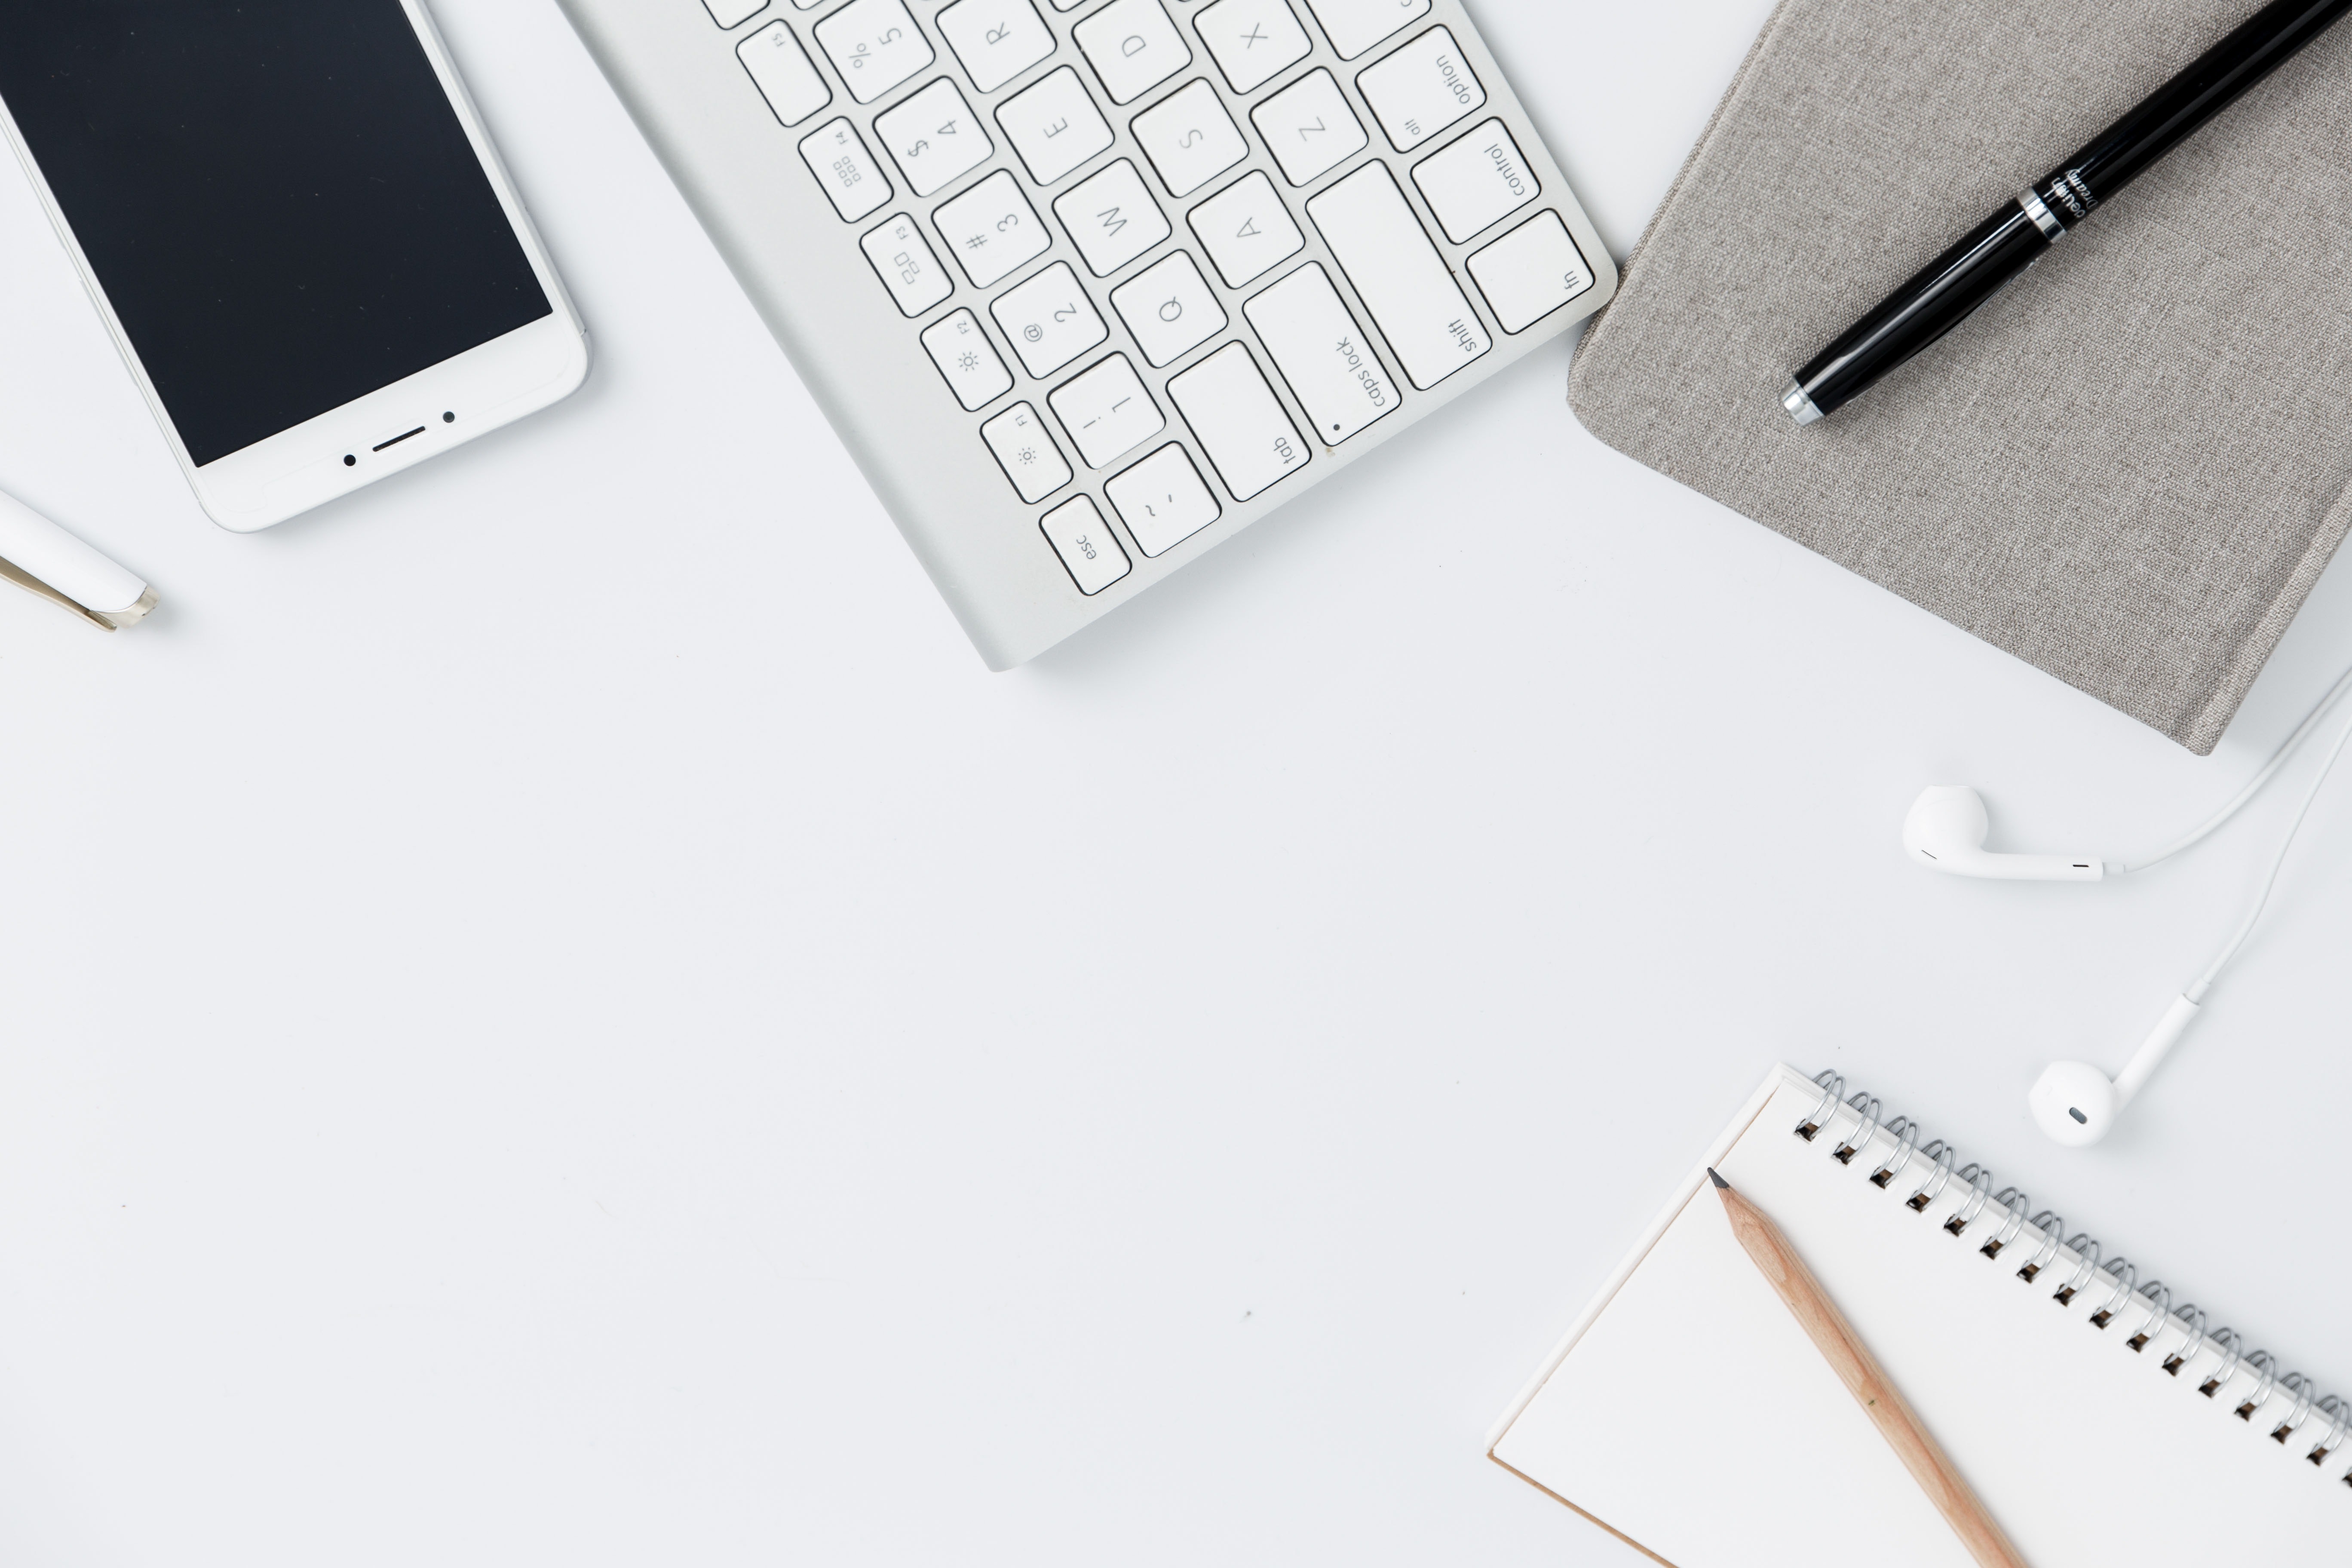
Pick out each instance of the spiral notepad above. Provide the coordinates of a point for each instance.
(2101, 1420)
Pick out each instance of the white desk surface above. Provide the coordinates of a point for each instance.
(554, 1012)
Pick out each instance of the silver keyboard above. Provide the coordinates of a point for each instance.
(1088, 286)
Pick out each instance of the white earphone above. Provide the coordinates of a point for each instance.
(1946, 832)
(2075, 1103)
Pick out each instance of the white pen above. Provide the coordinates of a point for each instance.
(37, 555)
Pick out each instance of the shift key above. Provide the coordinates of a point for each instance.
(1322, 353)
(1399, 275)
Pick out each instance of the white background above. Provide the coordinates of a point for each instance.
(554, 1012)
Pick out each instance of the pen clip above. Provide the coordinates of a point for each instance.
(105, 620)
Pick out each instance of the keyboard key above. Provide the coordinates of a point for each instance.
(995, 39)
(1106, 411)
(934, 136)
(1309, 128)
(908, 267)
(1170, 310)
(1421, 90)
(975, 373)
(1247, 230)
(734, 12)
(992, 230)
(1133, 47)
(1254, 40)
(785, 78)
(1319, 351)
(1049, 321)
(1055, 126)
(842, 165)
(875, 45)
(1531, 272)
(1089, 551)
(1189, 138)
(1355, 26)
(1399, 275)
(1251, 442)
(1162, 501)
(1476, 183)
(1111, 217)
(1032, 461)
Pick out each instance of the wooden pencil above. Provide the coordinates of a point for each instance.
(1860, 1372)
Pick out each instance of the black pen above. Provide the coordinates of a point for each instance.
(1948, 288)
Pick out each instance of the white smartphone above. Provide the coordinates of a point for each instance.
(295, 226)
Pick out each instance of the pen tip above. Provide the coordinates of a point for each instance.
(1719, 1180)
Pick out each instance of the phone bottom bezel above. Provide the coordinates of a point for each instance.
(494, 384)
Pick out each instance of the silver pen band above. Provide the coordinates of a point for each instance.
(2044, 218)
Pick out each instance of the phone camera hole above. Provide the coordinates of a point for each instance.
(448, 419)
(351, 461)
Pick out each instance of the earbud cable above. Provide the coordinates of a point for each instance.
(2197, 992)
(2254, 786)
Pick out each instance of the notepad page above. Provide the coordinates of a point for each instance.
(1691, 1414)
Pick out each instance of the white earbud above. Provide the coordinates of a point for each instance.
(1946, 832)
(2076, 1103)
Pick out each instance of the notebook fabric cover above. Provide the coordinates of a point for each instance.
(2129, 469)
(1688, 1413)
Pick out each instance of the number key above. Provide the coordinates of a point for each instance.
(875, 45)
(992, 230)
(1106, 411)
(1049, 320)
(934, 136)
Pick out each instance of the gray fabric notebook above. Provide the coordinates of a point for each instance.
(2128, 469)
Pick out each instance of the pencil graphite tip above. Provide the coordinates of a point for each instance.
(1719, 1180)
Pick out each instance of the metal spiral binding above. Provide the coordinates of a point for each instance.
(2147, 1309)
(2339, 1410)
(2054, 1232)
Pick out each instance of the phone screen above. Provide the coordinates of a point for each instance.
(277, 195)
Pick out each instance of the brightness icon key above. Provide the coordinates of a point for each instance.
(975, 371)
(1026, 453)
